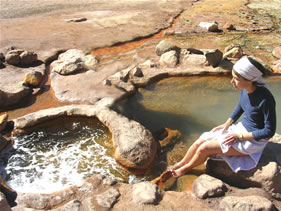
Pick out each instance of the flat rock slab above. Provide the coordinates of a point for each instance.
(45, 25)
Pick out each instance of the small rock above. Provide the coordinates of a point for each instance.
(77, 20)
(66, 67)
(3, 121)
(228, 26)
(246, 203)
(169, 137)
(73, 205)
(13, 57)
(147, 64)
(233, 51)
(146, 193)
(214, 57)
(169, 32)
(33, 78)
(90, 62)
(206, 186)
(193, 59)
(107, 82)
(165, 46)
(277, 52)
(195, 51)
(169, 59)
(137, 72)
(277, 67)
(209, 26)
(28, 58)
(108, 198)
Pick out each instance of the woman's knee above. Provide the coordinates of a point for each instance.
(199, 142)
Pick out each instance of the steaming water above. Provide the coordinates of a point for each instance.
(53, 157)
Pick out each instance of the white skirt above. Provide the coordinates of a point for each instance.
(252, 149)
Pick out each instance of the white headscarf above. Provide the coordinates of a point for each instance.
(248, 71)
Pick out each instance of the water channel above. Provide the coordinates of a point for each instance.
(64, 151)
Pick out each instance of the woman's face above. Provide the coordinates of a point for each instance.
(238, 82)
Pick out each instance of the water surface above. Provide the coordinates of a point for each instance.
(59, 153)
(191, 105)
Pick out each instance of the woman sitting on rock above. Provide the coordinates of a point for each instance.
(239, 144)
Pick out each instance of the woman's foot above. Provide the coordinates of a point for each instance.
(178, 172)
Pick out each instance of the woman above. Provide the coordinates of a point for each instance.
(239, 144)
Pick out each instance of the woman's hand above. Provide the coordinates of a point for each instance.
(230, 139)
(224, 126)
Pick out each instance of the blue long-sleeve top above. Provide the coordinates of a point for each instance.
(259, 112)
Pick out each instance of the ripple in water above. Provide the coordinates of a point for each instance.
(58, 154)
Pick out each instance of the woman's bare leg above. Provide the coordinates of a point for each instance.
(200, 156)
(189, 154)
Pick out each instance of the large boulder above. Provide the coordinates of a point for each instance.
(266, 175)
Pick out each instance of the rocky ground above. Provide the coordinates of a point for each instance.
(46, 27)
